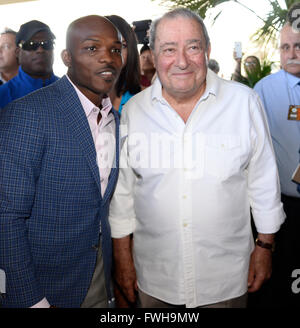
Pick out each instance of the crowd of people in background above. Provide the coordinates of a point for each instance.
(81, 225)
(19, 63)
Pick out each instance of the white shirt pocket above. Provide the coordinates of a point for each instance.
(222, 155)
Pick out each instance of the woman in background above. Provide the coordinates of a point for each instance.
(128, 83)
(127, 86)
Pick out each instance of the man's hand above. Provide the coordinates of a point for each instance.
(237, 59)
(124, 274)
(260, 268)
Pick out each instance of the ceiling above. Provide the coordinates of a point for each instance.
(5, 2)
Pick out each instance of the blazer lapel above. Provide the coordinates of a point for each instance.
(115, 168)
(77, 121)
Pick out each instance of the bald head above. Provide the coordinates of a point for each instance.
(93, 56)
(83, 26)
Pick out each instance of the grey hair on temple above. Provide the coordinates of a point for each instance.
(178, 12)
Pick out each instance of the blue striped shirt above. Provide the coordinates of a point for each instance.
(278, 91)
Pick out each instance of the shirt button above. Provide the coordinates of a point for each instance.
(185, 225)
(95, 110)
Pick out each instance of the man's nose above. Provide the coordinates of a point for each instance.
(181, 59)
(105, 55)
(292, 53)
(40, 49)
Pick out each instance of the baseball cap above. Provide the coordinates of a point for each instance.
(27, 30)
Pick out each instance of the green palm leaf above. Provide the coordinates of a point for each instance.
(272, 21)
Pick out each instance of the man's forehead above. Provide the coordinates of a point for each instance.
(288, 32)
(95, 32)
(7, 36)
(167, 33)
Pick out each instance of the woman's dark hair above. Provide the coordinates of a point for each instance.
(129, 79)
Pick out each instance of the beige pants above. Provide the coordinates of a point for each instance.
(146, 301)
(96, 296)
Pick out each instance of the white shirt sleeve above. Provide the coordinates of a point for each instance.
(263, 180)
(121, 213)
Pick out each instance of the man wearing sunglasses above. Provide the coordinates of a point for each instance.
(35, 44)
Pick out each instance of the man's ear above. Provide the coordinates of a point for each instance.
(17, 52)
(208, 53)
(66, 58)
(153, 57)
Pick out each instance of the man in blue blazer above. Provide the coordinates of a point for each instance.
(54, 187)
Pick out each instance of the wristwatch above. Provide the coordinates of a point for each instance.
(269, 246)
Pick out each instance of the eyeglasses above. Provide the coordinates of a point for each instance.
(34, 45)
(250, 63)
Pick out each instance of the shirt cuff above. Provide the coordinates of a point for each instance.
(121, 227)
(42, 304)
(269, 221)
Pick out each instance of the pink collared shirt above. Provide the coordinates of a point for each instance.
(103, 134)
(104, 140)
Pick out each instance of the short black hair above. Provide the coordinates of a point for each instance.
(145, 47)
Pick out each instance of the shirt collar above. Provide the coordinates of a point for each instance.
(2, 79)
(212, 87)
(24, 76)
(90, 107)
(292, 80)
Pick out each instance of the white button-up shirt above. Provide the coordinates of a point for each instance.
(185, 191)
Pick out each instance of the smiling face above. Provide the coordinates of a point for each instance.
(93, 56)
(181, 57)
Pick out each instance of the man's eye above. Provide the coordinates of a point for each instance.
(116, 50)
(91, 48)
(169, 51)
(195, 48)
(285, 47)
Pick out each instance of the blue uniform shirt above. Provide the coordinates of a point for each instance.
(21, 85)
(278, 91)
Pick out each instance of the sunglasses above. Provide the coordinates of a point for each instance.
(34, 45)
(250, 63)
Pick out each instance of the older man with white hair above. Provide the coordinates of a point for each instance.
(196, 155)
(280, 94)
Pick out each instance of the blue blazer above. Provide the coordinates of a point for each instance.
(51, 207)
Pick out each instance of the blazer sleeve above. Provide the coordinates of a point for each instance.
(21, 152)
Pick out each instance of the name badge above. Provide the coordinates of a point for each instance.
(294, 113)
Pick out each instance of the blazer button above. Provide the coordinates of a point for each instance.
(95, 247)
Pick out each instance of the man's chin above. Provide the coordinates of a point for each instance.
(106, 89)
(293, 69)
